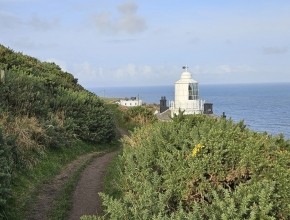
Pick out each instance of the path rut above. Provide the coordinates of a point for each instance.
(86, 200)
(50, 190)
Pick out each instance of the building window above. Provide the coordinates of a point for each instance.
(192, 91)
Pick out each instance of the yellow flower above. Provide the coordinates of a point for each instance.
(196, 149)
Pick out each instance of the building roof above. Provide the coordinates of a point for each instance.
(164, 116)
(186, 78)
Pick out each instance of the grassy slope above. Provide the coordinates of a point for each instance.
(27, 83)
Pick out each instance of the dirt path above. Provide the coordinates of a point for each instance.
(86, 200)
(50, 190)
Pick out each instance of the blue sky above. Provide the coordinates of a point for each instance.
(136, 43)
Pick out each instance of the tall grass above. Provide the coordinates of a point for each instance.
(27, 133)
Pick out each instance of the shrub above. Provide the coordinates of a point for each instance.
(58, 131)
(28, 134)
(138, 116)
(42, 90)
(91, 120)
(201, 168)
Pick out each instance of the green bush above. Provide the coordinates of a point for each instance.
(138, 116)
(91, 120)
(201, 168)
(43, 91)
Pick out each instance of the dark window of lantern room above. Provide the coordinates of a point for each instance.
(190, 92)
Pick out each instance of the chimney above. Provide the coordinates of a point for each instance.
(163, 104)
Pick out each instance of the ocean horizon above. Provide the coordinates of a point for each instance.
(263, 107)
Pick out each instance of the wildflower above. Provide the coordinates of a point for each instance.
(196, 149)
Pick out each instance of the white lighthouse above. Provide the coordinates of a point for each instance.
(186, 96)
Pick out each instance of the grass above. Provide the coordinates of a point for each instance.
(27, 182)
(111, 176)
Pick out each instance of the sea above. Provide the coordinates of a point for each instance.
(262, 107)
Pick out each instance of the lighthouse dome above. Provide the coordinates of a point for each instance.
(186, 75)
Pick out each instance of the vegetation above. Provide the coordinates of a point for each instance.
(5, 170)
(195, 167)
(134, 117)
(200, 167)
(43, 109)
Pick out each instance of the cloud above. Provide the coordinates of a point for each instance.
(29, 43)
(120, 41)
(9, 21)
(127, 22)
(274, 50)
(230, 69)
(128, 8)
(223, 73)
(133, 74)
(88, 75)
(40, 24)
(194, 40)
(222, 69)
(18, 1)
(130, 71)
(127, 75)
(12, 21)
(141, 75)
(198, 70)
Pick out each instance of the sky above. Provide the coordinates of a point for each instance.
(106, 43)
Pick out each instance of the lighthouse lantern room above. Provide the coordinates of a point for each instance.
(186, 96)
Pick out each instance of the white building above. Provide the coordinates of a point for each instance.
(131, 102)
(186, 96)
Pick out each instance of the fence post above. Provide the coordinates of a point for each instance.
(2, 76)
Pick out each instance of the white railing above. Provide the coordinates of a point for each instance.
(192, 105)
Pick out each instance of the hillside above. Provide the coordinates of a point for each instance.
(42, 109)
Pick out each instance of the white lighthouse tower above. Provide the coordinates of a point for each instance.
(186, 96)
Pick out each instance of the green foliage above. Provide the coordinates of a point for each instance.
(63, 110)
(201, 168)
(50, 72)
(110, 182)
(43, 109)
(180, 117)
(138, 116)
(5, 172)
(84, 114)
(92, 120)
